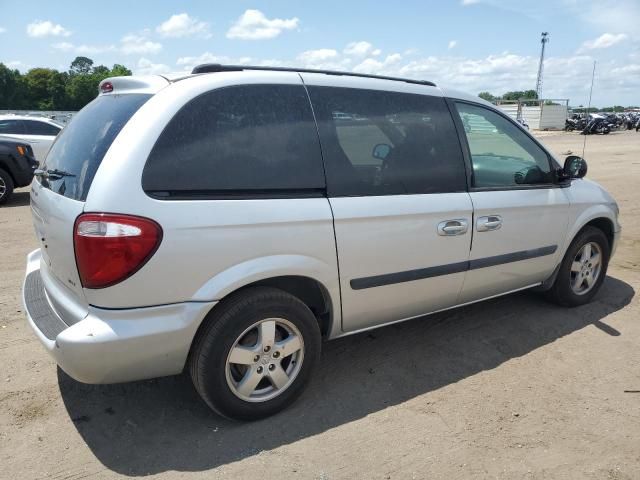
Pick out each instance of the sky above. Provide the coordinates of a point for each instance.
(469, 45)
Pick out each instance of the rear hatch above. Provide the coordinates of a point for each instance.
(58, 195)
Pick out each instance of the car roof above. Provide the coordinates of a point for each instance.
(11, 140)
(12, 116)
(154, 83)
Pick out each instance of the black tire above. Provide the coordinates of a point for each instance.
(7, 181)
(218, 334)
(561, 292)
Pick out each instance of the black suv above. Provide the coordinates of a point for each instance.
(17, 165)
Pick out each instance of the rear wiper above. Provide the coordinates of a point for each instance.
(53, 174)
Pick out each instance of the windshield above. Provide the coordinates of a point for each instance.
(80, 147)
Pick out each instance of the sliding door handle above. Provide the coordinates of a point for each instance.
(489, 223)
(450, 228)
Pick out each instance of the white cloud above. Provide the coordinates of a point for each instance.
(617, 16)
(83, 49)
(319, 55)
(565, 77)
(323, 59)
(464, 3)
(138, 44)
(379, 67)
(187, 63)
(182, 25)
(129, 45)
(361, 49)
(605, 40)
(45, 28)
(254, 25)
(17, 65)
(147, 67)
(2, 29)
(64, 46)
(452, 44)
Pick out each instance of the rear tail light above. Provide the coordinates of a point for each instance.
(111, 247)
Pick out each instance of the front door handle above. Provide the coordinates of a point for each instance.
(449, 228)
(489, 223)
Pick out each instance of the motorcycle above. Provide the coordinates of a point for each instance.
(597, 124)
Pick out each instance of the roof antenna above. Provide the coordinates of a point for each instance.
(589, 106)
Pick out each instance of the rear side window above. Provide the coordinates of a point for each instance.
(8, 127)
(387, 143)
(247, 140)
(34, 127)
(80, 147)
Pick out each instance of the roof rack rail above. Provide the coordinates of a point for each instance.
(217, 67)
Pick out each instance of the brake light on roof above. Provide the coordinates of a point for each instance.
(106, 87)
(111, 247)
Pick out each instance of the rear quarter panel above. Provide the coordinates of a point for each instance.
(209, 247)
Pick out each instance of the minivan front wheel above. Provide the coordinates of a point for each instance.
(255, 353)
(583, 268)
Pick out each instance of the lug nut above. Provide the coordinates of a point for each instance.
(267, 348)
(256, 358)
(260, 369)
(276, 354)
(272, 367)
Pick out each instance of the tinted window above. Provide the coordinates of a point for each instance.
(79, 148)
(9, 127)
(34, 127)
(501, 153)
(250, 139)
(382, 143)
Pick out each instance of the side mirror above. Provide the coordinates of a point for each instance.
(574, 167)
(381, 151)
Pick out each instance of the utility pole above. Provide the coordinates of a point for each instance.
(543, 40)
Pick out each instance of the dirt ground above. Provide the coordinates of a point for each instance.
(511, 388)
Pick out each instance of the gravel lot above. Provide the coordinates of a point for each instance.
(511, 388)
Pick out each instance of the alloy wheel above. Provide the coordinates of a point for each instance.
(586, 268)
(264, 360)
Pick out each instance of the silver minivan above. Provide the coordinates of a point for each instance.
(228, 221)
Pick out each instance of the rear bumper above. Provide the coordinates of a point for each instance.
(110, 346)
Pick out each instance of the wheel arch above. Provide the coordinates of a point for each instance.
(315, 283)
(605, 225)
(4, 165)
(600, 216)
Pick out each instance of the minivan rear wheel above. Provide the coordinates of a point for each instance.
(6, 186)
(255, 353)
(583, 269)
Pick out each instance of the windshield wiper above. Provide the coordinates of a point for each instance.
(53, 174)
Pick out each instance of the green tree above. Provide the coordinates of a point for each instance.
(120, 71)
(488, 97)
(81, 65)
(101, 70)
(81, 89)
(45, 89)
(9, 86)
(519, 94)
(49, 89)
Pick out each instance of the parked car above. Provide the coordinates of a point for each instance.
(17, 165)
(40, 132)
(226, 222)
